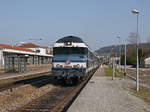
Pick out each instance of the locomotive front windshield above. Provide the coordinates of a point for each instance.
(69, 50)
(64, 58)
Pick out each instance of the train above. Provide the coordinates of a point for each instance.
(72, 60)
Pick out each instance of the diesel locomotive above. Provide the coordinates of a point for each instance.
(73, 59)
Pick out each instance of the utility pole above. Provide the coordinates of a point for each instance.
(125, 58)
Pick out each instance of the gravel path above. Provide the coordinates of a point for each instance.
(102, 94)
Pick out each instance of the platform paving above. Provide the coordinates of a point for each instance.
(11, 75)
(102, 94)
(6, 78)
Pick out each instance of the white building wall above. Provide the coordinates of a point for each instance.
(1, 58)
(147, 62)
(42, 50)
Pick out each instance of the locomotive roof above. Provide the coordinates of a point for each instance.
(73, 39)
(70, 39)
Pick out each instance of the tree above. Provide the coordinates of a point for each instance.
(133, 38)
(131, 60)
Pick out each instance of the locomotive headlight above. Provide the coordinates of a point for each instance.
(58, 66)
(76, 66)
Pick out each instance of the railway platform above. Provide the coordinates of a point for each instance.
(102, 94)
(12, 77)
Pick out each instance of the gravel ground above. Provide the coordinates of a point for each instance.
(144, 75)
(11, 100)
(102, 94)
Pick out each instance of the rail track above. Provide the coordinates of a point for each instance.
(57, 100)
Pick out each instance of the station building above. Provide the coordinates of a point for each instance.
(19, 58)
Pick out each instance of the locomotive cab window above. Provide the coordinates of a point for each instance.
(70, 50)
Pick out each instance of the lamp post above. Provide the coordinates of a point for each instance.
(137, 54)
(119, 53)
(113, 62)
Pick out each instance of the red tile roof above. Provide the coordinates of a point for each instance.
(29, 45)
(16, 48)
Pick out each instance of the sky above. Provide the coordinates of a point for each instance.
(97, 22)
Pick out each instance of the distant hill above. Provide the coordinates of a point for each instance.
(115, 49)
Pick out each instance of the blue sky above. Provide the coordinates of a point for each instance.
(97, 22)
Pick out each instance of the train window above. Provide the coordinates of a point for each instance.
(64, 58)
(69, 50)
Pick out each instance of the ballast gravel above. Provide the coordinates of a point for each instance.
(18, 97)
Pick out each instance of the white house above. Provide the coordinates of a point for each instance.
(147, 62)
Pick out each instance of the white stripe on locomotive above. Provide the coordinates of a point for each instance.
(83, 64)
